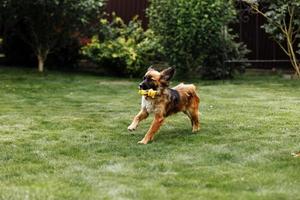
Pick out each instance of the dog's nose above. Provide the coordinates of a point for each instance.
(140, 86)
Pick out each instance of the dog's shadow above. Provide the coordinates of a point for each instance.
(175, 135)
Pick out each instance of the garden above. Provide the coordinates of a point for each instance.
(69, 90)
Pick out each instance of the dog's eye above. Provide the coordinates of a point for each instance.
(148, 78)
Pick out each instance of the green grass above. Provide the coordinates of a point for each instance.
(64, 136)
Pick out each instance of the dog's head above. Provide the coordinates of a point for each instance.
(154, 79)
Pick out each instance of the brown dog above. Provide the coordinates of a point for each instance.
(166, 101)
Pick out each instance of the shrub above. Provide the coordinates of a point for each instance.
(215, 66)
(191, 32)
(123, 49)
(66, 57)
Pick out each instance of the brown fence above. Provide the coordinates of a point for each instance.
(127, 9)
(264, 52)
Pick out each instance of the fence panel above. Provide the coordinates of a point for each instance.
(127, 9)
(265, 53)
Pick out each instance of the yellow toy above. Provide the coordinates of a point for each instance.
(151, 93)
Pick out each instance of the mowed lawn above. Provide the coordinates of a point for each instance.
(64, 136)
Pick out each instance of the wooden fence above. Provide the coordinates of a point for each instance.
(265, 53)
(127, 9)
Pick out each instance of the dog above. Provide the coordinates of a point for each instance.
(163, 101)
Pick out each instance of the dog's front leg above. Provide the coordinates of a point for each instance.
(157, 122)
(143, 114)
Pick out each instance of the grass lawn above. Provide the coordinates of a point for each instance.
(64, 136)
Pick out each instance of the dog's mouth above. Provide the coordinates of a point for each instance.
(148, 89)
(144, 86)
(148, 86)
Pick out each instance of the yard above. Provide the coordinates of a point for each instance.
(64, 136)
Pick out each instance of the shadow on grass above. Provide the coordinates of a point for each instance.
(181, 135)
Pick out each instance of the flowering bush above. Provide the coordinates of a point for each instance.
(123, 49)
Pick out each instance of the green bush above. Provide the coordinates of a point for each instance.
(215, 66)
(123, 49)
(66, 57)
(192, 35)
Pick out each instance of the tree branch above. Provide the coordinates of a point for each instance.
(291, 13)
(256, 9)
(282, 47)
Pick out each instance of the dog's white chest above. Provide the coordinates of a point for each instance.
(148, 105)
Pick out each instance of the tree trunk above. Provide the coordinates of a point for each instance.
(41, 63)
(41, 58)
(292, 56)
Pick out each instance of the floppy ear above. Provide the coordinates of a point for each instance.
(167, 74)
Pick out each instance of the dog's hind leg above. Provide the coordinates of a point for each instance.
(157, 122)
(195, 120)
(143, 114)
(193, 113)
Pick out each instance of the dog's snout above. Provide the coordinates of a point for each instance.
(140, 86)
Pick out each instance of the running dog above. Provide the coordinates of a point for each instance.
(162, 101)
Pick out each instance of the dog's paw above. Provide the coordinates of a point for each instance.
(195, 129)
(143, 141)
(296, 154)
(131, 128)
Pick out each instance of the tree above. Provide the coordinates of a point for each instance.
(46, 24)
(283, 25)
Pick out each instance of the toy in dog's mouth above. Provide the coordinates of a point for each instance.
(150, 93)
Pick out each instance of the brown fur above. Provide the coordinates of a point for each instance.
(166, 103)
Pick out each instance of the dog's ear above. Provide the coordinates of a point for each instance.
(167, 74)
(150, 68)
